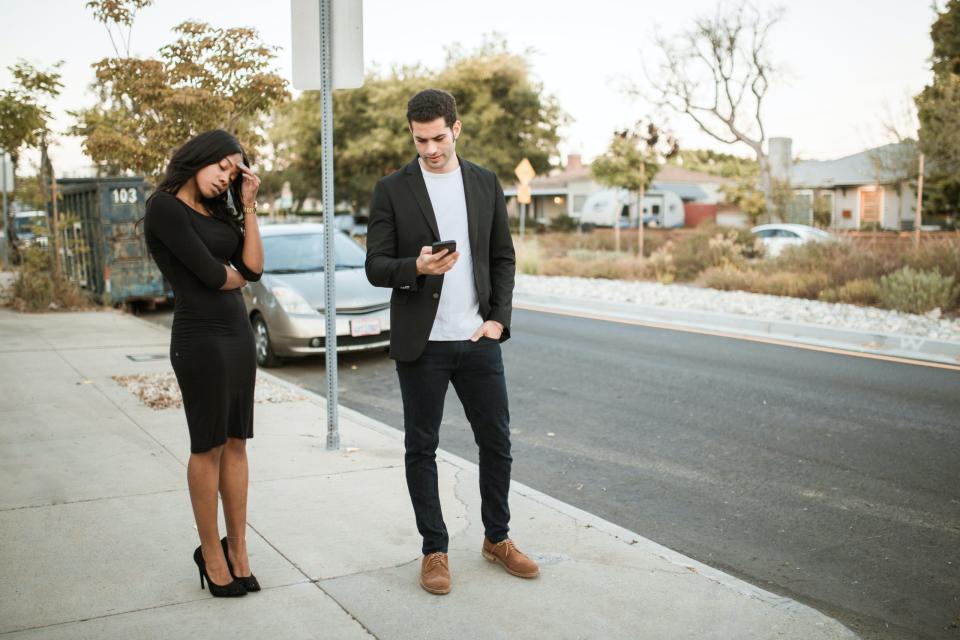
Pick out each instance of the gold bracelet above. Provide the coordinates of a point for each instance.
(250, 210)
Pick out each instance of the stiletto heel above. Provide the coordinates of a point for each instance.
(232, 590)
(249, 582)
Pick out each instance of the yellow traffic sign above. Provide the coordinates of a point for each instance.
(523, 193)
(525, 172)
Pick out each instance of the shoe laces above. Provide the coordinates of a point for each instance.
(508, 546)
(435, 559)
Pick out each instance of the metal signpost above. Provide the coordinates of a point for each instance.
(325, 58)
(6, 184)
(525, 173)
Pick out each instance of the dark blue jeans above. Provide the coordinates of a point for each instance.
(476, 371)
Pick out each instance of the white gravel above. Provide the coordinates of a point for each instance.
(755, 305)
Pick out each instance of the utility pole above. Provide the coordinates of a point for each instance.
(4, 160)
(918, 219)
(643, 185)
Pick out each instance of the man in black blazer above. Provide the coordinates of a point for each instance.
(449, 312)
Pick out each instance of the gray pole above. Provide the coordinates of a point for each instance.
(330, 269)
(8, 239)
(523, 216)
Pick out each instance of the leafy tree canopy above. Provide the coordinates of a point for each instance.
(207, 78)
(505, 113)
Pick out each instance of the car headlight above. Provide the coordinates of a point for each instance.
(293, 302)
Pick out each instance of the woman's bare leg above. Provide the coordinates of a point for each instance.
(203, 479)
(234, 479)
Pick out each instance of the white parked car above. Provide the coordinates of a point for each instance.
(778, 236)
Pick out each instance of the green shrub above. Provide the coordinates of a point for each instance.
(563, 223)
(936, 255)
(861, 291)
(914, 291)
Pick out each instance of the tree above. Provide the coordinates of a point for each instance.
(506, 117)
(23, 114)
(631, 162)
(938, 109)
(117, 16)
(897, 163)
(207, 78)
(718, 74)
(25, 118)
(370, 136)
(715, 163)
(506, 114)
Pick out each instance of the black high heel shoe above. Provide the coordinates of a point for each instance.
(232, 590)
(249, 582)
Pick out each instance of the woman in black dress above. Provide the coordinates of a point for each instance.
(208, 250)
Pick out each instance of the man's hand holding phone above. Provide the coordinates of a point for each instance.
(436, 260)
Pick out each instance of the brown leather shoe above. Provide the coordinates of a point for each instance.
(512, 559)
(435, 573)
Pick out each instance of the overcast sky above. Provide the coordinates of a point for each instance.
(846, 62)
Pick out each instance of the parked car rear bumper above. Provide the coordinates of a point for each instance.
(291, 335)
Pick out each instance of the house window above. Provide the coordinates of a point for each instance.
(578, 202)
(800, 207)
(870, 204)
(823, 208)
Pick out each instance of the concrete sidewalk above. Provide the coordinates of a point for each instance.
(97, 532)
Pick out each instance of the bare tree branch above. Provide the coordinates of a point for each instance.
(718, 74)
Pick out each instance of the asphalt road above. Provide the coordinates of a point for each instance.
(829, 478)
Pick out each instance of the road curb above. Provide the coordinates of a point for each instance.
(882, 344)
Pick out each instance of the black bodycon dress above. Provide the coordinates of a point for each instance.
(211, 345)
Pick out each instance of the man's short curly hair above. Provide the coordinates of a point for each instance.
(430, 104)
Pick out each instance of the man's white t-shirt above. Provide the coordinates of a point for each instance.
(458, 315)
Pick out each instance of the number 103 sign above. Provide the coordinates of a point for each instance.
(126, 195)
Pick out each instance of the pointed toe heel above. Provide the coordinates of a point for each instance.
(249, 582)
(232, 590)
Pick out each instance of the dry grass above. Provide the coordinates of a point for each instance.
(846, 271)
(775, 283)
(35, 289)
(862, 292)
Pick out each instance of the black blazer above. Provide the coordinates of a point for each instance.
(402, 221)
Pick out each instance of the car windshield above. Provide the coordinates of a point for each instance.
(301, 252)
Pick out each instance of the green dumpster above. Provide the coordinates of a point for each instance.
(103, 246)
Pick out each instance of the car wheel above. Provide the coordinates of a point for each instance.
(261, 335)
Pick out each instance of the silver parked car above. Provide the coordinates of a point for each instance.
(286, 306)
(778, 236)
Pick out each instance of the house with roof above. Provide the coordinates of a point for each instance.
(565, 192)
(872, 188)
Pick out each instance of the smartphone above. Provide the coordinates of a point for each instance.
(449, 245)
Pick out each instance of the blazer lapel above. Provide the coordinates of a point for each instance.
(471, 192)
(419, 188)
